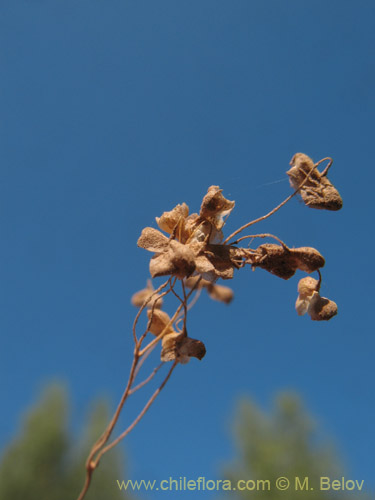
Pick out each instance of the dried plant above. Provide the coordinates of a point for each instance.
(193, 255)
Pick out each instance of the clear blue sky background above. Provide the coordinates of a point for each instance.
(114, 111)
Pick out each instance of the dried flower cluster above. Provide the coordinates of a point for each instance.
(193, 254)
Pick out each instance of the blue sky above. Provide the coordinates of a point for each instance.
(111, 113)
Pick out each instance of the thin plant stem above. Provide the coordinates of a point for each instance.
(245, 226)
(150, 377)
(141, 361)
(169, 324)
(90, 463)
(143, 336)
(264, 235)
(141, 414)
(325, 171)
(195, 298)
(144, 305)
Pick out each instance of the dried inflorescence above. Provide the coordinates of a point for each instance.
(317, 191)
(194, 241)
(194, 255)
(193, 252)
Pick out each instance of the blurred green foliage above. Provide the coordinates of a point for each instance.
(284, 443)
(46, 462)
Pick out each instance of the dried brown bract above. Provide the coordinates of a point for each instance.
(174, 221)
(317, 191)
(180, 347)
(215, 207)
(153, 240)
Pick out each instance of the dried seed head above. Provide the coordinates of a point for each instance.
(169, 220)
(152, 240)
(139, 298)
(215, 207)
(308, 259)
(321, 308)
(179, 346)
(220, 293)
(159, 320)
(317, 191)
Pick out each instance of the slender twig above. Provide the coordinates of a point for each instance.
(141, 361)
(264, 235)
(90, 463)
(143, 336)
(142, 413)
(150, 377)
(320, 281)
(195, 298)
(185, 304)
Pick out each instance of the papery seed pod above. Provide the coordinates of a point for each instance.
(276, 259)
(307, 286)
(169, 220)
(139, 298)
(317, 192)
(308, 259)
(169, 346)
(191, 348)
(321, 308)
(220, 293)
(191, 282)
(159, 321)
(179, 346)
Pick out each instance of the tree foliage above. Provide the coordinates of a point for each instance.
(45, 461)
(283, 443)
